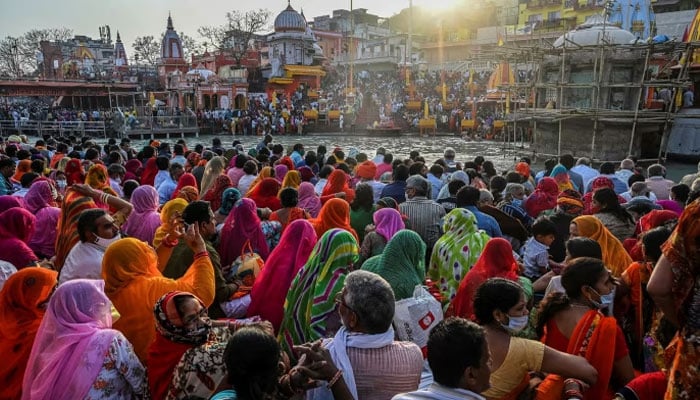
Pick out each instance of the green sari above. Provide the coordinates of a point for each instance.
(402, 263)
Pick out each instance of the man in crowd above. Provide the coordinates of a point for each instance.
(7, 170)
(97, 230)
(468, 198)
(425, 216)
(167, 188)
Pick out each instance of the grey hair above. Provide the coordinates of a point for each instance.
(584, 161)
(421, 184)
(485, 195)
(656, 170)
(511, 188)
(372, 300)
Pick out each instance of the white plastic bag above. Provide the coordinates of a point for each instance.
(415, 316)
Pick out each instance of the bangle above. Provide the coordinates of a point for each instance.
(104, 198)
(201, 254)
(573, 394)
(335, 378)
(169, 243)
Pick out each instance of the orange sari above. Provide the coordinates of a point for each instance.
(615, 256)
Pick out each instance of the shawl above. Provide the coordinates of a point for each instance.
(280, 172)
(338, 182)
(144, 219)
(614, 255)
(543, 198)
(228, 199)
(387, 221)
(16, 228)
(67, 233)
(186, 179)
(292, 180)
(265, 194)
(215, 167)
(241, 226)
(283, 264)
(561, 175)
(456, 251)
(75, 172)
(215, 193)
(23, 167)
(569, 201)
(148, 176)
(402, 263)
(20, 317)
(308, 199)
(334, 214)
(98, 179)
(166, 214)
(311, 297)
(41, 194)
(8, 201)
(133, 169)
(496, 261)
(71, 344)
(266, 172)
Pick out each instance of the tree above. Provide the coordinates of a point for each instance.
(19, 55)
(235, 35)
(12, 62)
(146, 50)
(189, 46)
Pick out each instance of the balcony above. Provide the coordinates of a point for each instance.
(368, 58)
(535, 4)
(557, 24)
(588, 5)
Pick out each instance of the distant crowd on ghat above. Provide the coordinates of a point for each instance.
(226, 272)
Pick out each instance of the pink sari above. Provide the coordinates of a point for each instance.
(144, 219)
(40, 202)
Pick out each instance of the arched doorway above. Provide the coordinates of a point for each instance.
(239, 102)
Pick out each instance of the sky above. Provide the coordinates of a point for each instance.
(134, 18)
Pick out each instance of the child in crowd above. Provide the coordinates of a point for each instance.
(535, 253)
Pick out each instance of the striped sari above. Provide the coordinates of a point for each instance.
(67, 233)
(311, 298)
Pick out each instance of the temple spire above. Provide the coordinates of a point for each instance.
(119, 39)
(170, 21)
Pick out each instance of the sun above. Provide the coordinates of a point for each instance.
(440, 5)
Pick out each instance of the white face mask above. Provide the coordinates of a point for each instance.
(104, 243)
(516, 324)
(61, 183)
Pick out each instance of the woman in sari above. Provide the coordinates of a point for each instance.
(598, 183)
(214, 195)
(281, 172)
(387, 221)
(264, 194)
(456, 251)
(189, 194)
(544, 197)
(265, 172)
(17, 226)
(308, 199)
(144, 220)
(614, 255)
(292, 179)
(337, 183)
(170, 210)
(334, 214)
(215, 167)
(23, 167)
(98, 179)
(675, 287)
(23, 302)
(362, 209)
(74, 172)
(649, 221)
(576, 323)
(185, 180)
(41, 201)
(133, 170)
(133, 282)
(77, 354)
(150, 170)
(283, 264)
(310, 311)
(9, 201)
(402, 263)
(242, 228)
(609, 211)
(289, 199)
(500, 306)
(561, 176)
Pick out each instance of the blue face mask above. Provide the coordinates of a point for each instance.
(606, 301)
(517, 202)
(516, 324)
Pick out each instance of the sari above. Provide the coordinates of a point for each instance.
(683, 251)
(266, 172)
(98, 179)
(144, 219)
(23, 167)
(496, 261)
(543, 198)
(215, 167)
(215, 193)
(561, 176)
(189, 194)
(73, 204)
(20, 317)
(9, 201)
(150, 170)
(306, 173)
(192, 161)
(133, 282)
(71, 344)
(242, 226)
(402, 263)
(337, 182)
(387, 222)
(166, 214)
(614, 255)
(133, 170)
(281, 172)
(287, 162)
(40, 200)
(598, 183)
(308, 199)
(456, 251)
(186, 179)
(264, 194)
(283, 264)
(229, 197)
(292, 180)
(17, 226)
(310, 302)
(334, 214)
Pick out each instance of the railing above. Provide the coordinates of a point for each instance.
(60, 128)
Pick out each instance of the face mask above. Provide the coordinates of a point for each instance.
(61, 183)
(606, 301)
(517, 202)
(516, 324)
(104, 243)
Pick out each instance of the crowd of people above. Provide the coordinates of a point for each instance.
(227, 272)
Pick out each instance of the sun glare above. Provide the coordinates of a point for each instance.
(438, 5)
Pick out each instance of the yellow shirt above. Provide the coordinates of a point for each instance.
(523, 356)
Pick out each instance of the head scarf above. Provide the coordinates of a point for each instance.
(75, 172)
(543, 198)
(133, 169)
(366, 170)
(307, 174)
(569, 201)
(23, 167)
(16, 228)
(189, 194)
(656, 218)
(288, 162)
(523, 169)
(338, 182)
(308, 199)
(192, 161)
(387, 221)
(402, 263)
(292, 179)
(67, 233)
(98, 179)
(388, 202)
(561, 175)
(283, 264)
(148, 176)
(41, 194)
(215, 193)
(166, 214)
(266, 172)
(186, 179)
(40, 201)
(597, 183)
(334, 214)
(228, 198)
(311, 297)
(20, 317)
(215, 167)
(280, 172)
(8, 201)
(242, 226)
(71, 344)
(265, 194)
(614, 255)
(456, 251)
(496, 261)
(144, 219)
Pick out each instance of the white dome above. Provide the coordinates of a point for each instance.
(290, 20)
(592, 32)
(203, 72)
